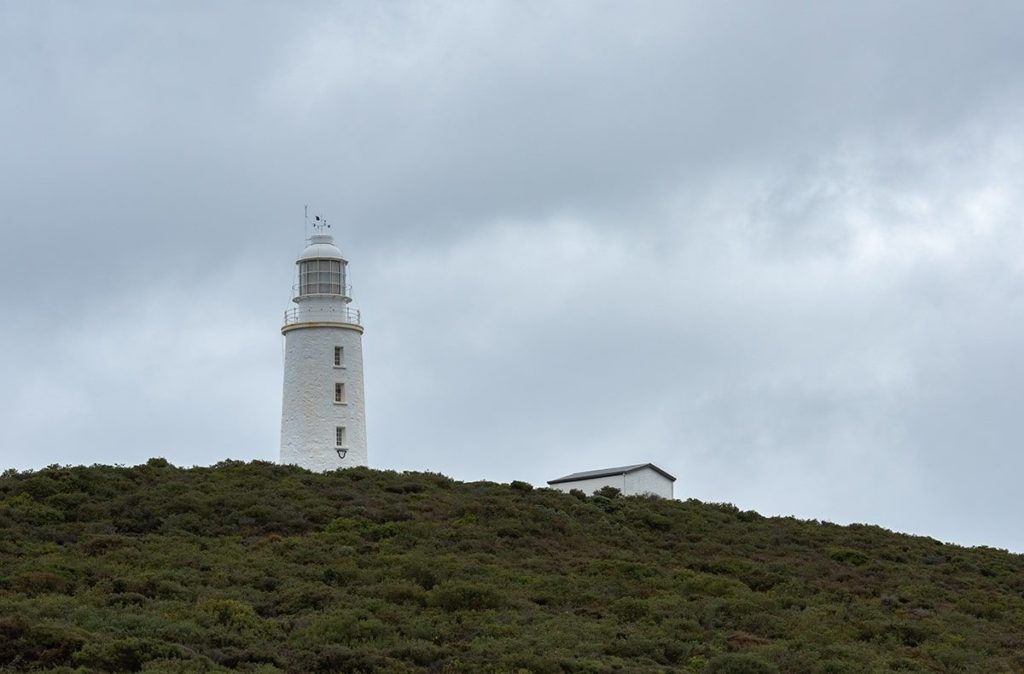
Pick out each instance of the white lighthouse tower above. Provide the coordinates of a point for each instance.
(323, 420)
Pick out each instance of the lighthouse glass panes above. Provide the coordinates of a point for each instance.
(339, 436)
(321, 277)
(339, 356)
(339, 393)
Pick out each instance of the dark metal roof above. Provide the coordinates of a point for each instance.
(605, 472)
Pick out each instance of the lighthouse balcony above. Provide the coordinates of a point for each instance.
(322, 315)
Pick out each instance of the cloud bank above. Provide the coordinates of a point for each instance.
(774, 249)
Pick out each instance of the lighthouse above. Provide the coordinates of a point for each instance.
(323, 419)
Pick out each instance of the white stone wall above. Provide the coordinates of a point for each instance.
(310, 414)
(648, 481)
(323, 308)
(643, 481)
(593, 484)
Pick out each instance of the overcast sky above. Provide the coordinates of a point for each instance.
(775, 248)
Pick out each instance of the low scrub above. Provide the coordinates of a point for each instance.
(265, 568)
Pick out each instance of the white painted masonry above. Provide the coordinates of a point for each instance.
(635, 480)
(588, 487)
(648, 481)
(323, 321)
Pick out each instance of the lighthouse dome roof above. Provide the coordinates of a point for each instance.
(321, 246)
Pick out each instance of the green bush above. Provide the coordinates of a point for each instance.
(24, 509)
(419, 652)
(608, 492)
(403, 593)
(629, 609)
(739, 663)
(41, 582)
(24, 645)
(855, 557)
(266, 568)
(121, 655)
(466, 596)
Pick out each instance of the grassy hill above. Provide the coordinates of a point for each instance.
(265, 568)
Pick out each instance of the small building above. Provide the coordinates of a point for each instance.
(635, 480)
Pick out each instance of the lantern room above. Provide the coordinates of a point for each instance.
(322, 269)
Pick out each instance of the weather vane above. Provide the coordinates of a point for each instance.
(320, 223)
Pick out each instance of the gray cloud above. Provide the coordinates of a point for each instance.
(775, 249)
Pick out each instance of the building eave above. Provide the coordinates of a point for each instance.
(609, 472)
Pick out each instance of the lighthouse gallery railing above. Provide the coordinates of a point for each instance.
(346, 315)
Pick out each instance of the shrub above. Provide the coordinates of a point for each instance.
(849, 556)
(346, 526)
(230, 613)
(266, 568)
(418, 651)
(342, 627)
(103, 543)
(41, 582)
(420, 572)
(608, 492)
(338, 658)
(466, 596)
(629, 609)
(23, 508)
(344, 573)
(194, 666)
(403, 593)
(909, 634)
(606, 504)
(295, 596)
(27, 646)
(122, 655)
(137, 520)
(126, 599)
(655, 521)
(739, 663)
(633, 646)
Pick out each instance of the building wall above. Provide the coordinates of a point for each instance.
(648, 481)
(643, 481)
(309, 414)
(593, 484)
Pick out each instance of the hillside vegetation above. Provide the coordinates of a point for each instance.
(265, 568)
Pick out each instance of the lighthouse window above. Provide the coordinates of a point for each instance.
(320, 276)
(339, 436)
(339, 356)
(339, 393)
